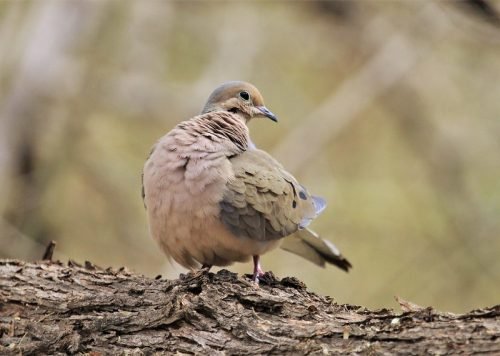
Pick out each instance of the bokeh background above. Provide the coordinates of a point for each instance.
(388, 109)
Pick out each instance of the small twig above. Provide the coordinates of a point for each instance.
(49, 251)
(18, 346)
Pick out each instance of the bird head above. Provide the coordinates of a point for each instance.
(240, 98)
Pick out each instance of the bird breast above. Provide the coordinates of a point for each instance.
(185, 177)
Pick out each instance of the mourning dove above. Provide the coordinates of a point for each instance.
(213, 198)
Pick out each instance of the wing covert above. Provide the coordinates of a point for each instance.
(263, 201)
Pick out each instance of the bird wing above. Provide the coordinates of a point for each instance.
(263, 201)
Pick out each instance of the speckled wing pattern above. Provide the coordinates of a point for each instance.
(263, 201)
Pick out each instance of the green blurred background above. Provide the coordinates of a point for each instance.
(388, 109)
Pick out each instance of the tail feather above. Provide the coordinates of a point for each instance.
(309, 245)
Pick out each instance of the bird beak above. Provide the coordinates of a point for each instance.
(267, 113)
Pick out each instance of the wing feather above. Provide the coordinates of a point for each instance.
(263, 201)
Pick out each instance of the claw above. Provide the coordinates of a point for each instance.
(206, 267)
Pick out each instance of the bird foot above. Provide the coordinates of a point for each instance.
(257, 275)
(206, 267)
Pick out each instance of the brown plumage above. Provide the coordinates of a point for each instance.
(213, 199)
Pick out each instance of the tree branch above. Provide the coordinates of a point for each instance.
(48, 307)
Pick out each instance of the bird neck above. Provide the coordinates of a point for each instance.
(221, 126)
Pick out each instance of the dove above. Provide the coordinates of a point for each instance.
(213, 198)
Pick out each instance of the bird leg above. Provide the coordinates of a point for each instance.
(257, 270)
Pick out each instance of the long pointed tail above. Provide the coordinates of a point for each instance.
(309, 245)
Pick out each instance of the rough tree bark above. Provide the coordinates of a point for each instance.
(51, 308)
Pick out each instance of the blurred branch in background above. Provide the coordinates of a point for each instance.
(45, 75)
(229, 59)
(469, 226)
(395, 55)
(484, 9)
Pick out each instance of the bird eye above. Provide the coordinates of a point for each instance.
(244, 95)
